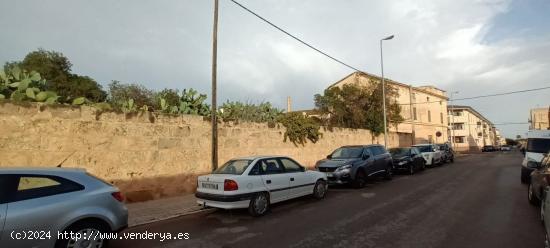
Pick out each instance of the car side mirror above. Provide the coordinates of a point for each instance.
(329, 156)
(365, 156)
(302, 169)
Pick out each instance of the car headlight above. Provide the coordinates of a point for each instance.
(402, 163)
(344, 167)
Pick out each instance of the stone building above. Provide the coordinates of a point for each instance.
(423, 108)
(539, 118)
(470, 129)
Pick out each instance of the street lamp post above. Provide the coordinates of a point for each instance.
(384, 91)
(453, 120)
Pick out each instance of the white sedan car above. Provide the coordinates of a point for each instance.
(431, 154)
(256, 182)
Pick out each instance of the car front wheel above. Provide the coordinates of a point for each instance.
(259, 204)
(84, 234)
(360, 180)
(320, 189)
(389, 173)
(531, 196)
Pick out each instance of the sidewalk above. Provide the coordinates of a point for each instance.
(150, 211)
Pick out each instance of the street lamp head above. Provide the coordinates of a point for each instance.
(389, 37)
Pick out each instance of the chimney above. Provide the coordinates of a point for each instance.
(288, 104)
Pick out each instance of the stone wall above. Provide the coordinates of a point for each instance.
(147, 155)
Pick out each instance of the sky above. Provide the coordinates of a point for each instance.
(475, 47)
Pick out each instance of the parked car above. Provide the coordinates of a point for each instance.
(538, 144)
(407, 159)
(506, 148)
(539, 180)
(431, 154)
(355, 164)
(545, 216)
(448, 153)
(488, 149)
(40, 202)
(257, 182)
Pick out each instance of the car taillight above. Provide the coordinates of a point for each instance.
(230, 185)
(118, 196)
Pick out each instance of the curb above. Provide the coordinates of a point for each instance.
(172, 217)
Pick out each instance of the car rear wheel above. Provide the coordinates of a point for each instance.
(531, 196)
(320, 189)
(542, 207)
(84, 234)
(360, 180)
(259, 204)
(388, 175)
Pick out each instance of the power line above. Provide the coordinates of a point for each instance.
(481, 96)
(354, 68)
(294, 37)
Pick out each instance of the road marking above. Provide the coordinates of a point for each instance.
(368, 195)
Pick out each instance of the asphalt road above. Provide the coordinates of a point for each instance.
(476, 202)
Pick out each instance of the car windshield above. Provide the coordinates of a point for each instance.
(425, 148)
(233, 167)
(399, 152)
(348, 152)
(538, 145)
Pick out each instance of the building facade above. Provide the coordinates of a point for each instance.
(539, 118)
(424, 109)
(470, 130)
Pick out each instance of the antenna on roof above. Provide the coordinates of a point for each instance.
(61, 163)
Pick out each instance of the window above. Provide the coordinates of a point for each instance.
(271, 166)
(291, 166)
(459, 139)
(36, 186)
(429, 116)
(26, 183)
(377, 150)
(538, 145)
(441, 117)
(427, 99)
(414, 113)
(348, 152)
(458, 126)
(457, 113)
(233, 167)
(7, 186)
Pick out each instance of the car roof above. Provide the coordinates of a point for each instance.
(423, 145)
(41, 170)
(259, 157)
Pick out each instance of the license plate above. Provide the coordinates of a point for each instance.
(329, 174)
(209, 186)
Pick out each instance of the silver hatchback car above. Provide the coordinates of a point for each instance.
(58, 207)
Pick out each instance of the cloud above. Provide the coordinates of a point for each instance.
(455, 45)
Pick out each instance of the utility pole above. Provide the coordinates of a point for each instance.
(214, 89)
(384, 92)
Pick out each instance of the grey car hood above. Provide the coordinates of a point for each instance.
(332, 163)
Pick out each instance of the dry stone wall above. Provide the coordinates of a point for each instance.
(147, 156)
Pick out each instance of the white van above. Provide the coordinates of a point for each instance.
(538, 144)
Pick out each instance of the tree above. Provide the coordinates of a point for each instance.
(56, 68)
(511, 142)
(359, 106)
(120, 93)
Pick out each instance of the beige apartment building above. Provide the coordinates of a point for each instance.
(470, 129)
(539, 118)
(423, 108)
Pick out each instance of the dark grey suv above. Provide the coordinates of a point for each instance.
(355, 164)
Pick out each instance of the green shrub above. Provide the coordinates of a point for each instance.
(300, 128)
